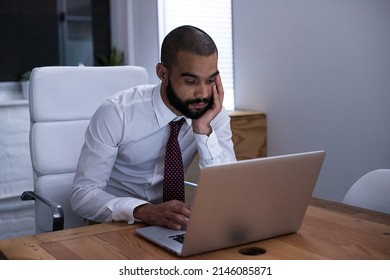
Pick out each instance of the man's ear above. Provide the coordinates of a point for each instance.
(162, 73)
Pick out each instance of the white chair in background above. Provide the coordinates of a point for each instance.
(61, 102)
(372, 191)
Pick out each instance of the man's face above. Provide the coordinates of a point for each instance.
(189, 86)
(191, 108)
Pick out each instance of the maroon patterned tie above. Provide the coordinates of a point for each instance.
(173, 184)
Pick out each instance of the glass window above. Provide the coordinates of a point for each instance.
(76, 34)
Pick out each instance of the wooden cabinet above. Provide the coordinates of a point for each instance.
(249, 137)
(249, 134)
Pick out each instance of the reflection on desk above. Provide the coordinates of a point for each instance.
(330, 230)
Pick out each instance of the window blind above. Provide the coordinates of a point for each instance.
(215, 18)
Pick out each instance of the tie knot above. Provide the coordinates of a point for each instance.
(176, 125)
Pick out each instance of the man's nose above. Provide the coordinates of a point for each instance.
(204, 91)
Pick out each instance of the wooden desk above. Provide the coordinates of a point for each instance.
(329, 231)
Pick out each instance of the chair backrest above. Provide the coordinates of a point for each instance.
(372, 191)
(62, 100)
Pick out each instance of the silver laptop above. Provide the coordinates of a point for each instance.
(242, 202)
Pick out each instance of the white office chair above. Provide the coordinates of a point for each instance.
(62, 101)
(372, 191)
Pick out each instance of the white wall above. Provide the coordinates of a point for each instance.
(16, 216)
(134, 31)
(320, 70)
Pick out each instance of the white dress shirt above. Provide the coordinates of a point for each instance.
(121, 165)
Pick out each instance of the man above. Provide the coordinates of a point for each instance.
(121, 167)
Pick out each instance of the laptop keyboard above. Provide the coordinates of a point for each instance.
(178, 237)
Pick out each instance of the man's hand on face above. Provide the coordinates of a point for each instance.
(171, 214)
(202, 124)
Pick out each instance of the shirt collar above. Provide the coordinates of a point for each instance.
(163, 113)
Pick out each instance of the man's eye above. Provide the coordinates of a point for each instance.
(190, 82)
(212, 81)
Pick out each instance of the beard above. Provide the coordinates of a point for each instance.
(184, 106)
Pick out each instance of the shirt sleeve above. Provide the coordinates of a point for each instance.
(89, 198)
(218, 146)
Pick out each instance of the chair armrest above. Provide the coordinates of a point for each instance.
(56, 209)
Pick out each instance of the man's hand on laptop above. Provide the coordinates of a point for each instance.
(171, 214)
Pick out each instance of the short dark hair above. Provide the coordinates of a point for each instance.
(186, 38)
